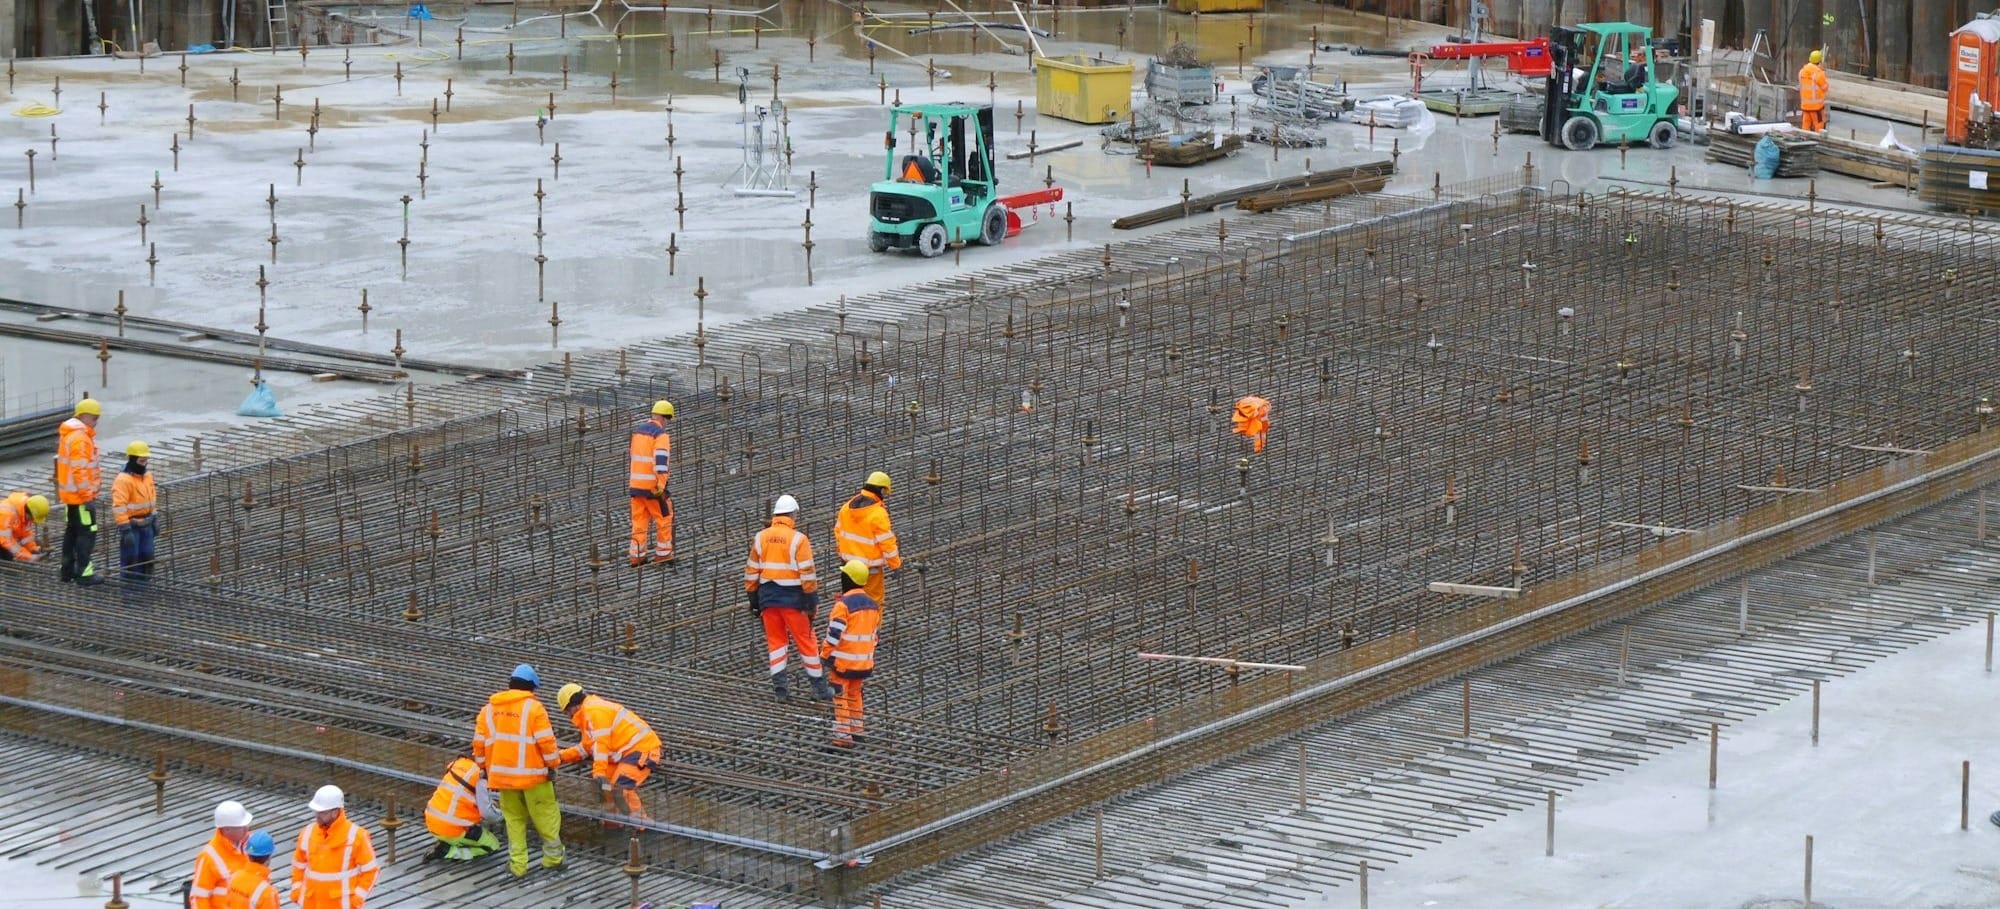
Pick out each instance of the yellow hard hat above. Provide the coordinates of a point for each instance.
(568, 694)
(138, 450)
(856, 571)
(1815, 56)
(38, 508)
(663, 408)
(878, 478)
(89, 406)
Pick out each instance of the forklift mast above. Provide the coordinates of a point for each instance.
(1565, 50)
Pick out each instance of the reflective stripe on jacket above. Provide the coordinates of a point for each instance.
(458, 802)
(610, 733)
(651, 456)
(862, 532)
(513, 743)
(1812, 87)
(249, 888)
(131, 497)
(77, 475)
(782, 557)
(17, 527)
(850, 634)
(213, 866)
(333, 867)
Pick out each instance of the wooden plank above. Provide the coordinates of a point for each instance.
(1895, 101)
(1320, 193)
(1212, 201)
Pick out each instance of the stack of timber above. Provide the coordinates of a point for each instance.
(1188, 149)
(1964, 180)
(1319, 193)
(1355, 174)
(30, 433)
(1896, 101)
(1797, 155)
(1867, 160)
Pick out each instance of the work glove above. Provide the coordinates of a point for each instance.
(751, 595)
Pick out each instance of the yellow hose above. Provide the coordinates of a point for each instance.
(36, 109)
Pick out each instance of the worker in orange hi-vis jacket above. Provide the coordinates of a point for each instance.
(650, 455)
(333, 866)
(220, 857)
(851, 630)
(783, 589)
(861, 532)
(1252, 418)
(1812, 94)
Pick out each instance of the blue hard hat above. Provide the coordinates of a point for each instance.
(526, 673)
(259, 845)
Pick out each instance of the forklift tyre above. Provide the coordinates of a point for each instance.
(993, 227)
(877, 242)
(1580, 134)
(1663, 135)
(931, 240)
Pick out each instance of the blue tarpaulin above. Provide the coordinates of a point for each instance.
(260, 403)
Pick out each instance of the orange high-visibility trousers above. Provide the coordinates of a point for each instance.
(780, 622)
(651, 511)
(1813, 121)
(846, 710)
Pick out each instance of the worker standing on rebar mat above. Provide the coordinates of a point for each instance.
(78, 481)
(457, 812)
(132, 499)
(19, 513)
(333, 866)
(623, 750)
(1812, 94)
(784, 592)
(1252, 419)
(250, 887)
(862, 533)
(850, 649)
(221, 858)
(516, 749)
(651, 454)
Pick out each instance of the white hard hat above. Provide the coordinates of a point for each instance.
(232, 814)
(327, 799)
(786, 505)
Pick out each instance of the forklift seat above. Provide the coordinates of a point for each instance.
(918, 169)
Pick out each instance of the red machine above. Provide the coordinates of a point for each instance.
(1529, 59)
(1027, 203)
(1975, 70)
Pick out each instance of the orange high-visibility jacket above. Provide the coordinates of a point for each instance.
(333, 867)
(610, 733)
(213, 866)
(1812, 87)
(850, 635)
(513, 742)
(131, 497)
(250, 888)
(783, 556)
(862, 532)
(651, 454)
(17, 527)
(1252, 418)
(77, 474)
(458, 802)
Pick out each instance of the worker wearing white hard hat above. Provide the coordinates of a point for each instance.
(333, 865)
(783, 590)
(220, 858)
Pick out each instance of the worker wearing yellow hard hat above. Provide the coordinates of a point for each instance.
(622, 749)
(78, 483)
(650, 454)
(849, 650)
(1813, 87)
(19, 513)
(133, 510)
(861, 532)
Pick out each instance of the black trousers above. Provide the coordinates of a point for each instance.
(79, 541)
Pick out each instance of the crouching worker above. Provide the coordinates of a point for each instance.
(622, 749)
(457, 813)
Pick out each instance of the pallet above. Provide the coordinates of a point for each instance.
(1948, 172)
(1797, 155)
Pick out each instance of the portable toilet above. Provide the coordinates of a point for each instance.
(1975, 69)
(1082, 89)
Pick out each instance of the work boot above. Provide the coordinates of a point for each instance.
(779, 687)
(821, 690)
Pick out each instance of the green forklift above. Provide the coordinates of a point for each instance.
(943, 191)
(1602, 89)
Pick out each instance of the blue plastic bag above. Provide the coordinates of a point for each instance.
(260, 402)
(1766, 158)
(201, 48)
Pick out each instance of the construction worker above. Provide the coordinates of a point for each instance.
(333, 866)
(862, 533)
(458, 807)
(1812, 94)
(250, 887)
(78, 481)
(19, 513)
(516, 751)
(1252, 418)
(651, 458)
(850, 648)
(784, 592)
(132, 509)
(221, 857)
(623, 750)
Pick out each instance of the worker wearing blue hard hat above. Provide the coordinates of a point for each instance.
(250, 887)
(516, 750)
